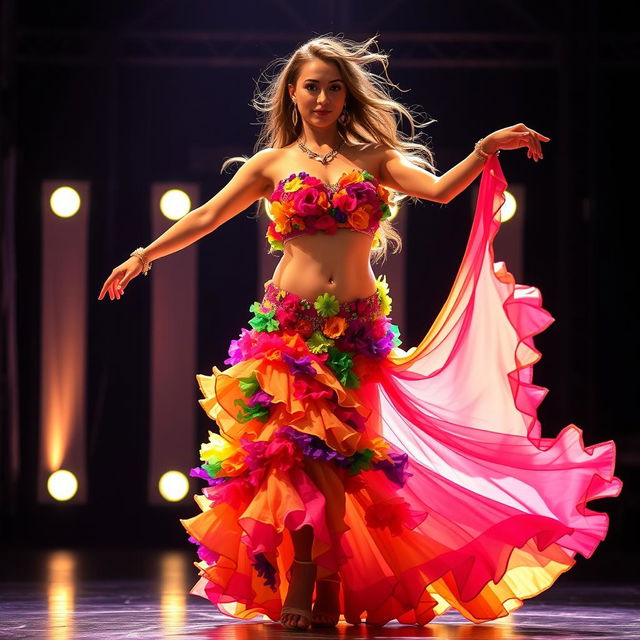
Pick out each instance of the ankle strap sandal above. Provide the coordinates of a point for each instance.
(299, 611)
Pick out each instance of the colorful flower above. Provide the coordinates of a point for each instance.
(383, 293)
(334, 326)
(311, 201)
(263, 321)
(233, 465)
(326, 305)
(394, 514)
(308, 388)
(217, 447)
(359, 219)
(318, 343)
(351, 178)
(293, 184)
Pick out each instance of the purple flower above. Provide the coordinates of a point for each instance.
(260, 398)
(265, 570)
(396, 470)
(299, 365)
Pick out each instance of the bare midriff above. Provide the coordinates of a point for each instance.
(321, 263)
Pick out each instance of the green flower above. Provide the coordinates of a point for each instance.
(212, 467)
(318, 342)
(327, 305)
(396, 334)
(258, 412)
(367, 176)
(249, 385)
(386, 211)
(275, 245)
(263, 321)
(361, 461)
(341, 363)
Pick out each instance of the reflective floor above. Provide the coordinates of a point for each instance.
(61, 595)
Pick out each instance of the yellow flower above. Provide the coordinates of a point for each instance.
(293, 185)
(334, 327)
(380, 448)
(217, 448)
(383, 294)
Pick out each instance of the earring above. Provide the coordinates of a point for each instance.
(294, 115)
(344, 117)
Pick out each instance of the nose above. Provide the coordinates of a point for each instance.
(323, 96)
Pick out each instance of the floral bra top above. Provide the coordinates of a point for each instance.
(303, 204)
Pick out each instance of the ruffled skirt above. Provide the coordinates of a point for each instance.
(423, 473)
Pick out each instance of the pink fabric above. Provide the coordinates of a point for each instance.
(464, 407)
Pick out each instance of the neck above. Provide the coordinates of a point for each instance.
(317, 138)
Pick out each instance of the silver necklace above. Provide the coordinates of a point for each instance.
(326, 158)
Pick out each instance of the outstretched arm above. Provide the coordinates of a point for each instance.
(247, 185)
(398, 173)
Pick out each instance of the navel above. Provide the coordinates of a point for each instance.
(330, 279)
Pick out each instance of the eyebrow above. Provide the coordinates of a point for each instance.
(314, 80)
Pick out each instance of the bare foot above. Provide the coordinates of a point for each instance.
(326, 608)
(298, 600)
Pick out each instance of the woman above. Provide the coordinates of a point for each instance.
(387, 484)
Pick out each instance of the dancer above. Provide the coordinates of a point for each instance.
(348, 478)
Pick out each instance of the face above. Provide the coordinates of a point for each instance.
(319, 93)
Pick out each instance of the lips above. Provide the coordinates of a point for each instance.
(322, 112)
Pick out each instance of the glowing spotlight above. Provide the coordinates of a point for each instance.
(175, 204)
(508, 209)
(62, 485)
(173, 486)
(65, 202)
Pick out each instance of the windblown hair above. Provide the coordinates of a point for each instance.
(374, 116)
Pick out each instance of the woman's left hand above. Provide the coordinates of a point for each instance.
(515, 137)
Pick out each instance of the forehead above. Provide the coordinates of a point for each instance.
(319, 70)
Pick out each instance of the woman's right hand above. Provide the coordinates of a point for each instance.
(120, 277)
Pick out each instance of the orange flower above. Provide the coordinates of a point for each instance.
(234, 465)
(359, 219)
(383, 194)
(350, 178)
(334, 326)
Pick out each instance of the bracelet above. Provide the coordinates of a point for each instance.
(483, 155)
(146, 265)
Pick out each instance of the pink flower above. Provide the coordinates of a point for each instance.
(311, 201)
(312, 181)
(283, 454)
(393, 513)
(327, 223)
(310, 388)
(287, 318)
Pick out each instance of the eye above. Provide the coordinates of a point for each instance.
(310, 86)
(336, 87)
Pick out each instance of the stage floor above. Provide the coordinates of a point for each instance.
(144, 595)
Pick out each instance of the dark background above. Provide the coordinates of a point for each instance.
(125, 94)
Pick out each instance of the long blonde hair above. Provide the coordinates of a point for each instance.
(374, 116)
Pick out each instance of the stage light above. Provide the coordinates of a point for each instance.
(175, 204)
(62, 485)
(508, 209)
(65, 202)
(173, 486)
